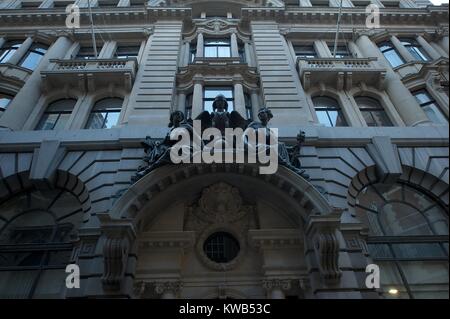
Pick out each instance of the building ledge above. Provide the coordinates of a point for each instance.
(14, 76)
(89, 75)
(340, 73)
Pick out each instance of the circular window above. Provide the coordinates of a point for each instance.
(221, 247)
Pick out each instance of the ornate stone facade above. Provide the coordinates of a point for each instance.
(374, 190)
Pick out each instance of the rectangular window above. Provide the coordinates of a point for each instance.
(33, 56)
(415, 49)
(4, 101)
(87, 52)
(391, 54)
(217, 48)
(127, 51)
(8, 49)
(320, 3)
(430, 107)
(305, 51)
(210, 93)
(342, 51)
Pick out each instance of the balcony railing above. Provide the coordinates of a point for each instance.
(90, 74)
(340, 72)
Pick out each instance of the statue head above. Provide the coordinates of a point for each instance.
(220, 103)
(265, 115)
(176, 118)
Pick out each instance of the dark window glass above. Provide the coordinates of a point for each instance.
(56, 115)
(5, 99)
(34, 56)
(189, 99)
(305, 51)
(217, 48)
(342, 51)
(127, 51)
(372, 111)
(415, 49)
(87, 52)
(248, 106)
(8, 49)
(221, 247)
(430, 107)
(329, 112)
(391, 54)
(192, 52)
(210, 93)
(241, 51)
(105, 113)
(408, 240)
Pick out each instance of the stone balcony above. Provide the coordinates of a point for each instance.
(340, 72)
(90, 75)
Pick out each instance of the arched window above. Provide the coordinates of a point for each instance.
(105, 113)
(36, 233)
(328, 111)
(56, 115)
(408, 240)
(391, 54)
(372, 111)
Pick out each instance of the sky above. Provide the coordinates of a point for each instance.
(439, 1)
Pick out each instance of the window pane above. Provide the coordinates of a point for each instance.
(208, 106)
(212, 93)
(96, 120)
(393, 57)
(112, 119)
(47, 122)
(210, 52)
(31, 61)
(62, 121)
(390, 279)
(340, 120)
(419, 250)
(427, 279)
(323, 118)
(422, 97)
(51, 284)
(17, 284)
(224, 52)
(4, 101)
(434, 114)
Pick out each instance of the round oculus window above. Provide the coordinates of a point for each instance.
(221, 247)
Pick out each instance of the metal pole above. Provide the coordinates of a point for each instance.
(337, 29)
(94, 44)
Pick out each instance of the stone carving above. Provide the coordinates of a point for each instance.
(326, 246)
(220, 203)
(168, 287)
(220, 118)
(282, 284)
(115, 254)
(157, 153)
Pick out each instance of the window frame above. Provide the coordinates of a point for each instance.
(326, 109)
(35, 49)
(431, 101)
(209, 43)
(41, 123)
(390, 47)
(5, 96)
(8, 49)
(370, 111)
(218, 88)
(107, 110)
(415, 49)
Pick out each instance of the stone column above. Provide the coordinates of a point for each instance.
(248, 55)
(21, 107)
(255, 104)
(200, 44)
(428, 48)
(405, 103)
(239, 99)
(187, 54)
(182, 102)
(444, 43)
(108, 50)
(124, 3)
(2, 41)
(401, 49)
(197, 99)
(21, 51)
(234, 46)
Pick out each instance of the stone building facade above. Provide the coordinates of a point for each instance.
(375, 115)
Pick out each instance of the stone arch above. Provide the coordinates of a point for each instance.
(302, 197)
(20, 181)
(413, 176)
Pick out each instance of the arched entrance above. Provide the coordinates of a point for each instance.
(202, 230)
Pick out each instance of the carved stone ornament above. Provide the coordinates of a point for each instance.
(282, 284)
(115, 252)
(168, 286)
(326, 246)
(220, 203)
